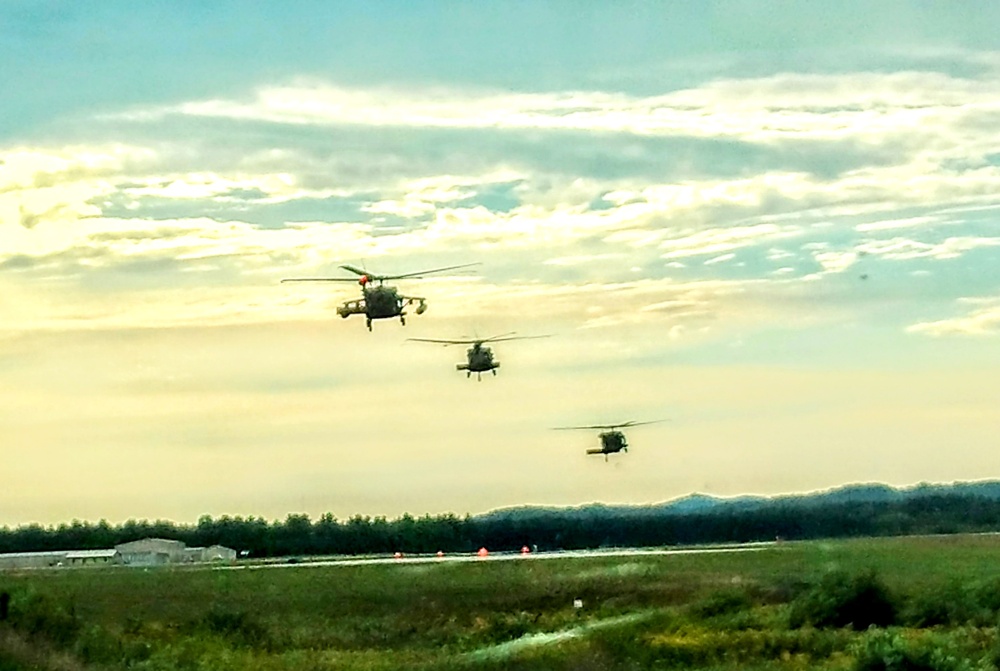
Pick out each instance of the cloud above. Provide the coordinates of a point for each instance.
(891, 224)
(979, 322)
(30, 219)
(824, 106)
(836, 262)
(571, 188)
(905, 249)
(722, 258)
(718, 240)
(422, 197)
(582, 259)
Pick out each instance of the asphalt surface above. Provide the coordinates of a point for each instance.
(499, 556)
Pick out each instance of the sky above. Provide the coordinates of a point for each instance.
(771, 224)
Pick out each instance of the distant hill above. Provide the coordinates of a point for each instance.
(701, 504)
(858, 510)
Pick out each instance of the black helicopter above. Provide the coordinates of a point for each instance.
(480, 358)
(612, 440)
(380, 301)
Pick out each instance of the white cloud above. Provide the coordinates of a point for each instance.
(56, 185)
(807, 106)
(890, 224)
(777, 254)
(423, 196)
(836, 262)
(582, 259)
(979, 322)
(902, 249)
(722, 239)
(549, 217)
(722, 258)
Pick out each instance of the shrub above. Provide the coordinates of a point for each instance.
(237, 627)
(987, 595)
(692, 647)
(502, 627)
(993, 658)
(39, 616)
(889, 651)
(722, 603)
(95, 644)
(841, 600)
(952, 604)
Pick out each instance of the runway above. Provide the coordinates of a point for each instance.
(501, 556)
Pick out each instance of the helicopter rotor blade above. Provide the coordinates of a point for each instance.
(418, 274)
(319, 279)
(496, 338)
(574, 428)
(442, 342)
(628, 424)
(610, 427)
(505, 339)
(358, 271)
(474, 341)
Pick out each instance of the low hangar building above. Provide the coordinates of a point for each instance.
(160, 551)
(152, 552)
(145, 552)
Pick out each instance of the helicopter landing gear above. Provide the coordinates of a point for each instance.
(369, 322)
(468, 375)
(494, 372)
(402, 320)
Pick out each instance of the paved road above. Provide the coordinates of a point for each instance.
(503, 556)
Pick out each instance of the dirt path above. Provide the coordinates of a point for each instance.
(510, 648)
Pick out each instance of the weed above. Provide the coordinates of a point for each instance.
(891, 650)
(238, 627)
(843, 600)
(722, 603)
(677, 611)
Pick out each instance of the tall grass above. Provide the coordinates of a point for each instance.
(808, 605)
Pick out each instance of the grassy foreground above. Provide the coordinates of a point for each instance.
(901, 603)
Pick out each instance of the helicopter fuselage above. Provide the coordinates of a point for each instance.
(612, 439)
(611, 442)
(480, 360)
(381, 302)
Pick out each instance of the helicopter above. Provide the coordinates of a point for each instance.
(480, 358)
(379, 301)
(612, 440)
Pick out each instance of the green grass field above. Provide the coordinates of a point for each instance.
(787, 606)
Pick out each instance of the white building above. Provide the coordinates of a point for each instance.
(152, 552)
(218, 553)
(92, 557)
(15, 560)
(211, 553)
(159, 551)
(145, 552)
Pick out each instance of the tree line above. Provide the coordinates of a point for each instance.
(556, 529)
